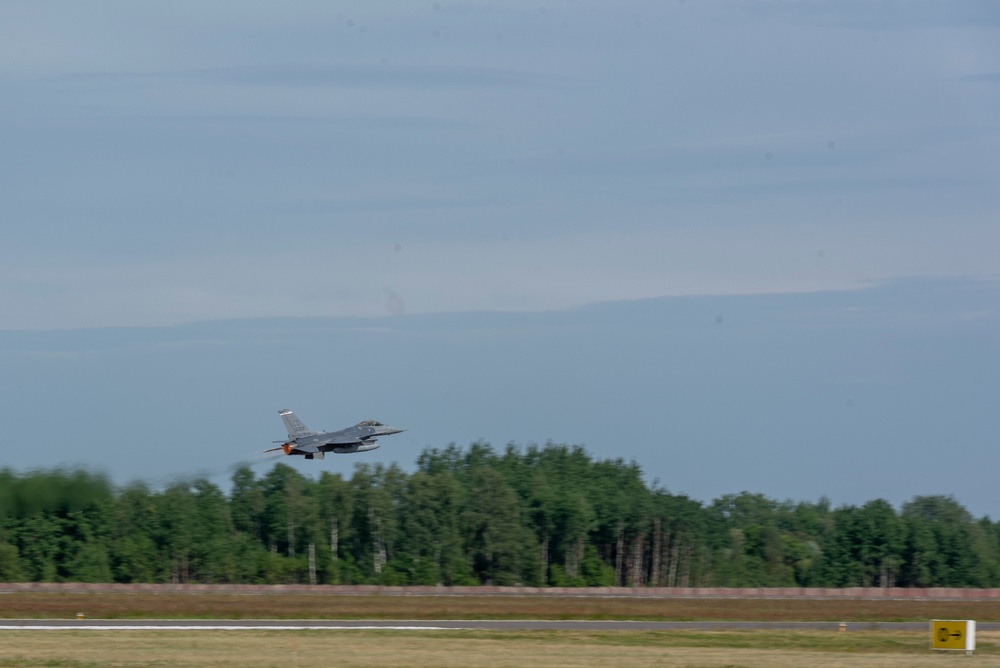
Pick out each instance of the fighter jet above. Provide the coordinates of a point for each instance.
(362, 437)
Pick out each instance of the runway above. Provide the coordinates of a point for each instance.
(446, 625)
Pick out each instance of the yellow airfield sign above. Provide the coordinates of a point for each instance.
(953, 634)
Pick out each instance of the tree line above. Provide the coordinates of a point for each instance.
(537, 516)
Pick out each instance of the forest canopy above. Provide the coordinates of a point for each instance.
(537, 516)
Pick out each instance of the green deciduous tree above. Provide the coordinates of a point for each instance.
(541, 515)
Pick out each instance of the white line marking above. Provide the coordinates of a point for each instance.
(115, 627)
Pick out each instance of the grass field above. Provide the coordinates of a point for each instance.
(33, 605)
(416, 649)
(313, 649)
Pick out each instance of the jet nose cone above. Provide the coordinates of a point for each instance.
(393, 430)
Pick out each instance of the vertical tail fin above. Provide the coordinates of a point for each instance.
(294, 425)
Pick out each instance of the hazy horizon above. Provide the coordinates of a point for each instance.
(853, 395)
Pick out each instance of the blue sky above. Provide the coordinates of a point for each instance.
(379, 163)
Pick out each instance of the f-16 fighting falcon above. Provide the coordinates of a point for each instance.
(362, 437)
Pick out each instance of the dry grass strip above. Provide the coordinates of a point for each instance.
(35, 605)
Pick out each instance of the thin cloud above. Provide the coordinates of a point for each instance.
(759, 165)
(989, 77)
(335, 76)
(885, 15)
